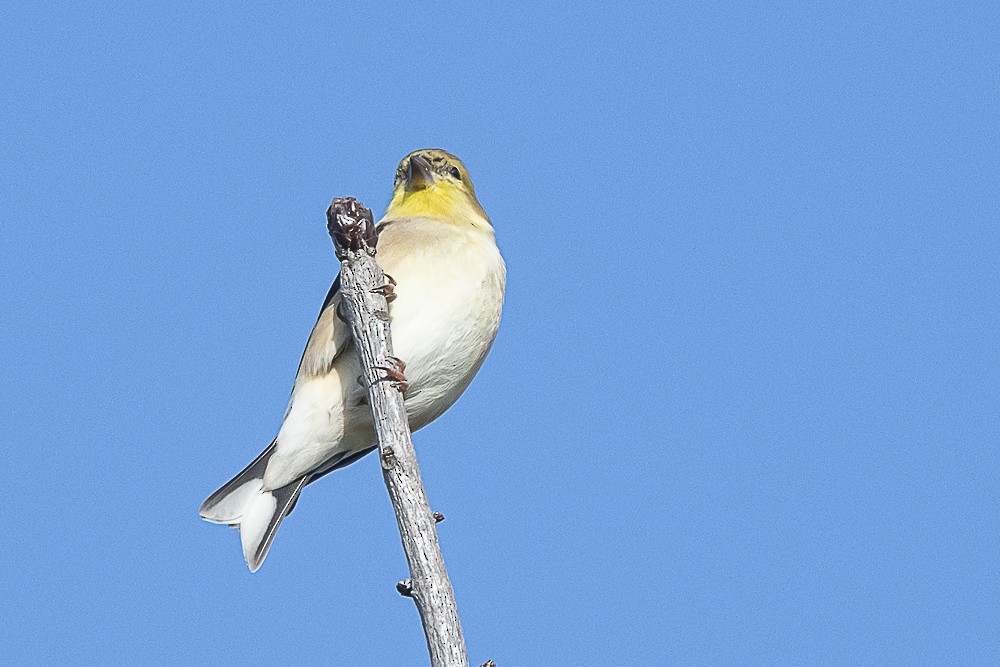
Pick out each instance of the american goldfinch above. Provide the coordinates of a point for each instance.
(438, 245)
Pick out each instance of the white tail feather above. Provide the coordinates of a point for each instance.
(257, 516)
(231, 507)
(243, 502)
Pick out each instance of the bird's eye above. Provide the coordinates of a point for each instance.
(456, 173)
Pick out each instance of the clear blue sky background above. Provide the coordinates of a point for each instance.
(743, 405)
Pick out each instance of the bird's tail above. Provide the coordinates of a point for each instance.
(243, 502)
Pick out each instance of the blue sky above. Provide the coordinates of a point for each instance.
(743, 405)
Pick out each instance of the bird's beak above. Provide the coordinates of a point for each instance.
(419, 174)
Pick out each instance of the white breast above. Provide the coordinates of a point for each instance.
(450, 283)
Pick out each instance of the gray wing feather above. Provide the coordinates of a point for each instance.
(330, 336)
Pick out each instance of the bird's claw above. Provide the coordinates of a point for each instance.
(394, 374)
(387, 290)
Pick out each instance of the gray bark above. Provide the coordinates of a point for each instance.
(365, 308)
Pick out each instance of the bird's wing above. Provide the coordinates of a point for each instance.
(330, 336)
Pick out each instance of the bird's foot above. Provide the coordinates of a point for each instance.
(394, 373)
(387, 290)
(398, 364)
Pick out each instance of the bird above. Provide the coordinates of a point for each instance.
(438, 245)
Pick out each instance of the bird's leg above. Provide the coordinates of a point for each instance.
(387, 290)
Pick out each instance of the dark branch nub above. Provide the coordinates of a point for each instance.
(351, 226)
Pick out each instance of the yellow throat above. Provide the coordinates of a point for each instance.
(431, 183)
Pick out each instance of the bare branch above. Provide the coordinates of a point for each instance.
(365, 308)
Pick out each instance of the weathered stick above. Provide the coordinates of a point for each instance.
(365, 308)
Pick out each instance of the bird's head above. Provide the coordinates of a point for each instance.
(433, 183)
